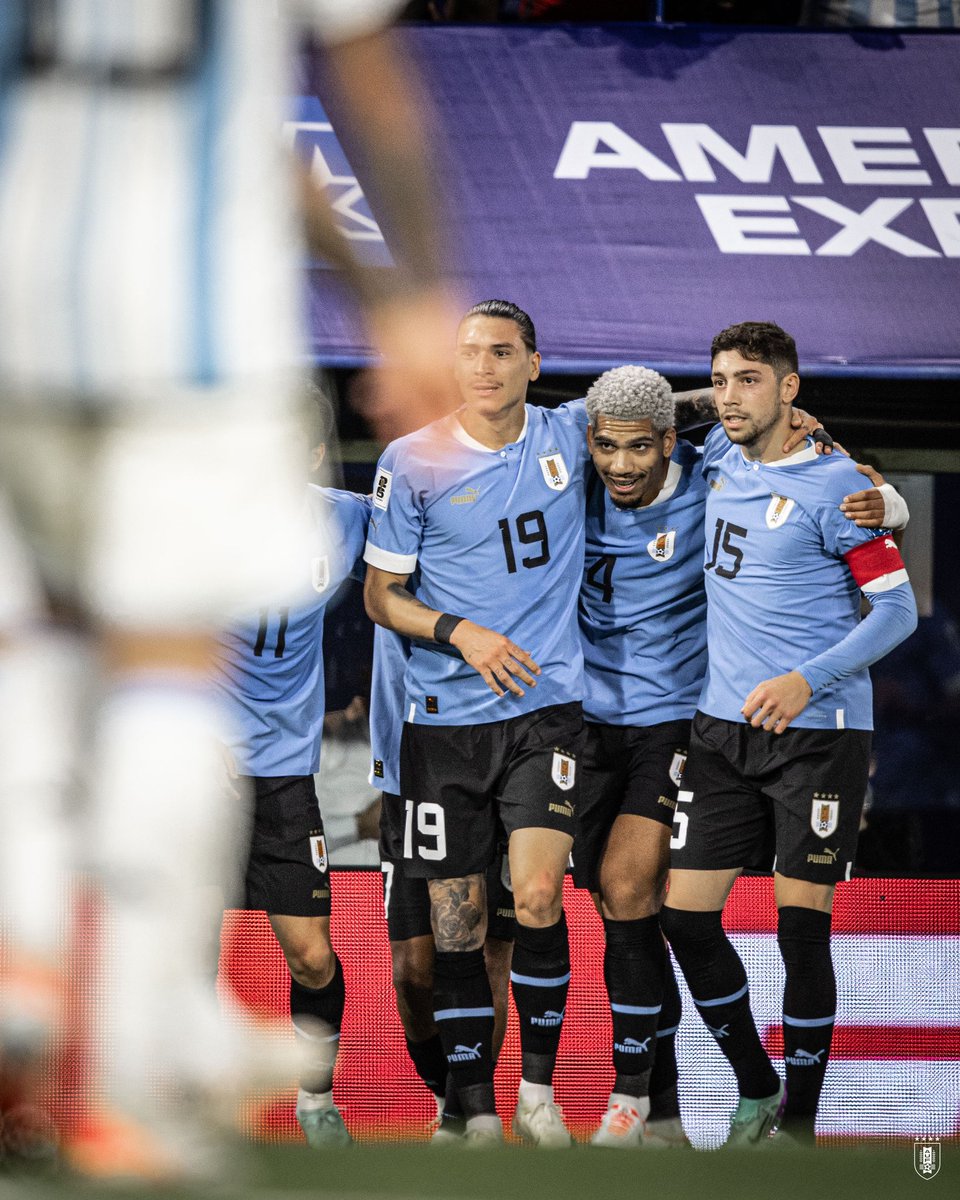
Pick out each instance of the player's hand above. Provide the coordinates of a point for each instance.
(773, 704)
(802, 425)
(413, 385)
(866, 508)
(495, 657)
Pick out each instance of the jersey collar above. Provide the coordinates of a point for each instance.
(465, 439)
(669, 485)
(794, 460)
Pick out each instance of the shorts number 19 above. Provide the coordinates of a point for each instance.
(430, 824)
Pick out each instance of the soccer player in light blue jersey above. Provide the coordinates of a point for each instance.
(487, 507)
(272, 683)
(780, 743)
(643, 626)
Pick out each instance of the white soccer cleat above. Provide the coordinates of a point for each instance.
(622, 1128)
(666, 1134)
(541, 1125)
(483, 1133)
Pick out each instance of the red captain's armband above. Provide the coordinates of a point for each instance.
(876, 565)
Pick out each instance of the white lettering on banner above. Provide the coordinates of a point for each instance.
(868, 226)
(765, 224)
(735, 233)
(849, 147)
(581, 153)
(945, 144)
(737, 230)
(944, 218)
(692, 143)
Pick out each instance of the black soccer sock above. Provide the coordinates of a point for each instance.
(809, 1009)
(664, 1101)
(718, 983)
(463, 1011)
(540, 977)
(452, 1108)
(430, 1062)
(317, 1014)
(633, 972)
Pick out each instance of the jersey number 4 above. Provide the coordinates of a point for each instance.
(722, 541)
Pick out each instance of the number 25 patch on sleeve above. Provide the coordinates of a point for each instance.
(381, 489)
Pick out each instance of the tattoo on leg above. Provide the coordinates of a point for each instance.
(458, 912)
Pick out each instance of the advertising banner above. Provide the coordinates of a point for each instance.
(637, 189)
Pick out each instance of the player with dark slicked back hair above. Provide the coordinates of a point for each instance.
(506, 310)
(487, 508)
(780, 743)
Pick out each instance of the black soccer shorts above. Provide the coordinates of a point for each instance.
(625, 770)
(287, 868)
(753, 799)
(472, 786)
(406, 898)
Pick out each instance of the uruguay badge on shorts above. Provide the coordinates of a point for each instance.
(824, 814)
(661, 548)
(320, 571)
(554, 470)
(318, 851)
(677, 764)
(778, 510)
(563, 770)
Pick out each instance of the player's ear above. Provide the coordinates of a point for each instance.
(534, 365)
(789, 388)
(669, 441)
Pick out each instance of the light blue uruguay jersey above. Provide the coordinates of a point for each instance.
(643, 606)
(390, 654)
(273, 666)
(496, 536)
(782, 567)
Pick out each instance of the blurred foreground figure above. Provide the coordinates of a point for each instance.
(149, 345)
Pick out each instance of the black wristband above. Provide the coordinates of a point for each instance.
(820, 435)
(446, 624)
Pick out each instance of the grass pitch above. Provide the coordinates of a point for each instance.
(421, 1172)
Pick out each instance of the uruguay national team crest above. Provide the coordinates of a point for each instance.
(563, 770)
(661, 548)
(677, 764)
(778, 510)
(926, 1158)
(320, 570)
(824, 814)
(554, 470)
(318, 851)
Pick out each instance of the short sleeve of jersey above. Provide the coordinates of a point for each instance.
(841, 535)
(396, 517)
(716, 445)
